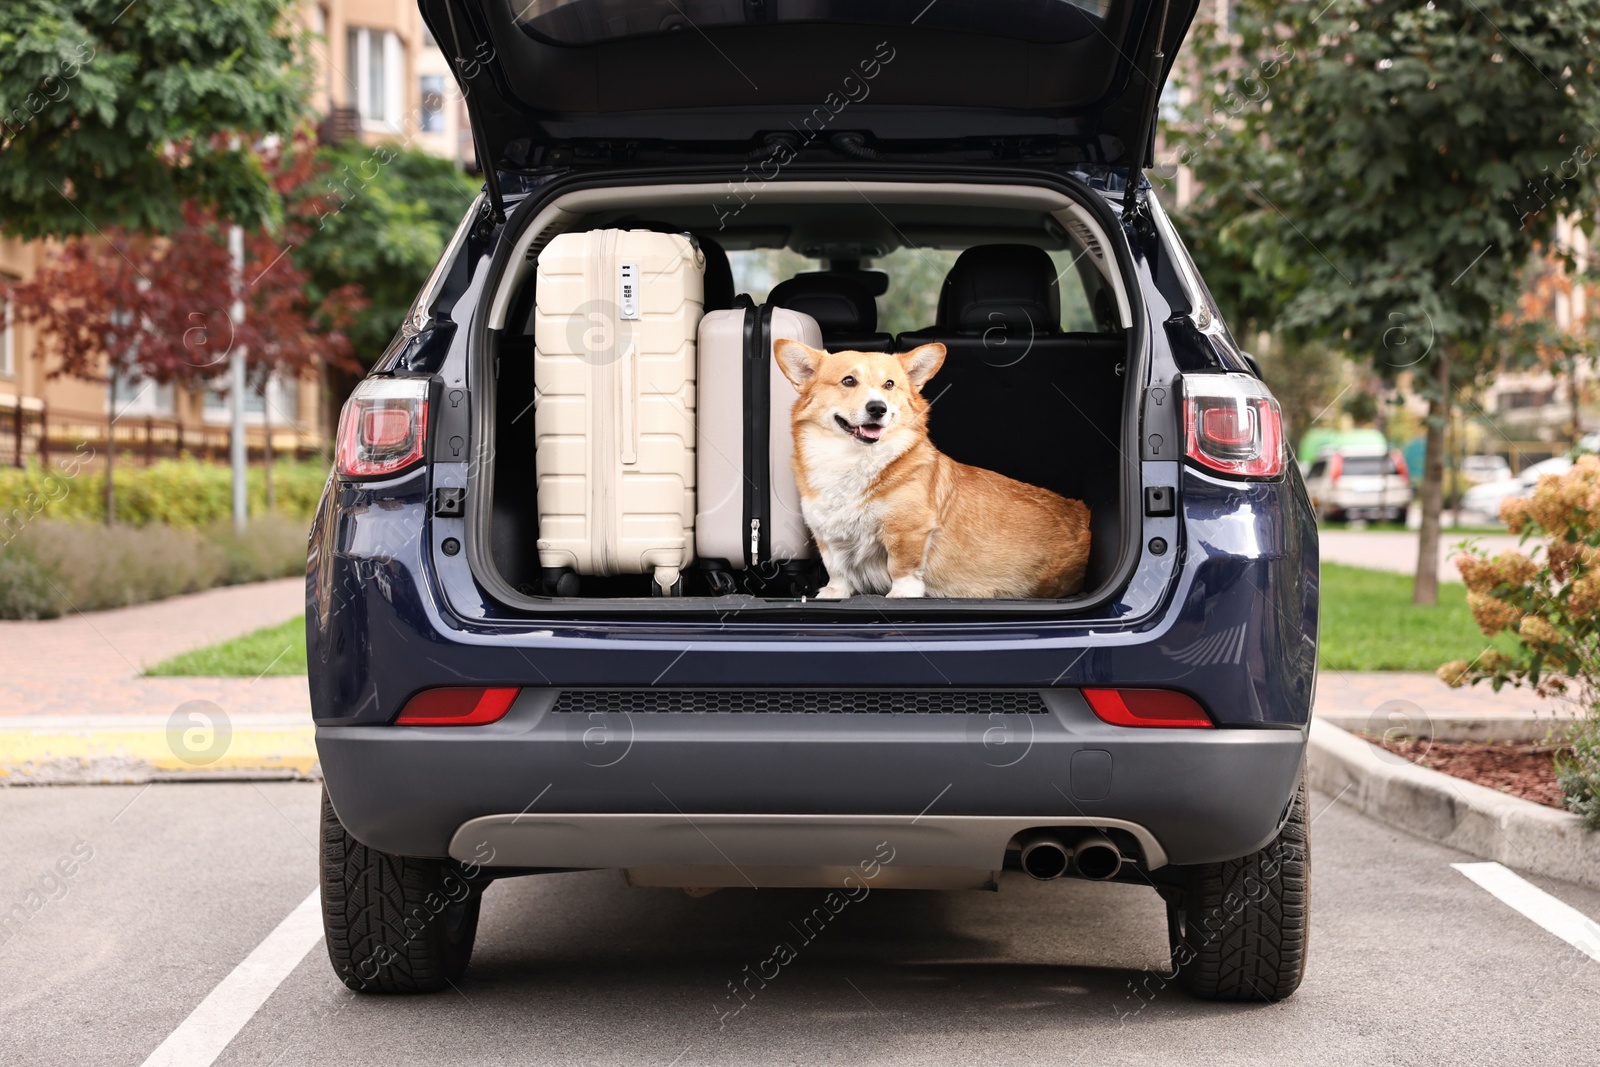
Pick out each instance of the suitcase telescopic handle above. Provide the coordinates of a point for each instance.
(630, 400)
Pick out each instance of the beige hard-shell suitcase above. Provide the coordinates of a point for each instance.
(749, 505)
(615, 320)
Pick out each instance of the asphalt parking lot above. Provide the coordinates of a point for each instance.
(128, 907)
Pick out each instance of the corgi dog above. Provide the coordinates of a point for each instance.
(893, 515)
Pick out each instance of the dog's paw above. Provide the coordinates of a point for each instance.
(831, 591)
(909, 586)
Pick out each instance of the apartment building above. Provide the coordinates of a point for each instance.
(380, 77)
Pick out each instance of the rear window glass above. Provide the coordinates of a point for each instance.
(916, 276)
(593, 21)
(1369, 465)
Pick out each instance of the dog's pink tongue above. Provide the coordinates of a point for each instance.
(871, 433)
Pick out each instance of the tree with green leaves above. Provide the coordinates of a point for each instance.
(379, 217)
(1386, 170)
(119, 114)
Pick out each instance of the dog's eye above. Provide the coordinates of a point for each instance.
(889, 384)
(849, 382)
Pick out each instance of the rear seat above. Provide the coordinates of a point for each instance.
(1018, 396)
(843, 304)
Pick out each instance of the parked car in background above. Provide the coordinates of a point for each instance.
(1479, 469)
(1319, 441)
(1482, 502)
(1359, 483)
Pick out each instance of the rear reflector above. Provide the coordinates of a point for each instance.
(1147, 707)
(457, 706)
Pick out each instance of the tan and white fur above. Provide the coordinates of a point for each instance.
(893, 515)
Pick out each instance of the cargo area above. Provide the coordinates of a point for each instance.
(1021, 285)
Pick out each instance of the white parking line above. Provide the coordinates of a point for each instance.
(200, 1038)
(1561, 919)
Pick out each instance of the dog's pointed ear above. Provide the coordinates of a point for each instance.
(798, 361)
(922, 362)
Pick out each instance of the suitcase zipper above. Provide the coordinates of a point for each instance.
(760, 475)
(605, 465)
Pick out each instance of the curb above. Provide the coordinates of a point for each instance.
(1459, 814)
(1525, 728)
(50, 753)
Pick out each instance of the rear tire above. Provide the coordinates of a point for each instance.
(394, 924)
(1241, 929)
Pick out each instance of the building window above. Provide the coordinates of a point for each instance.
(140, 396)
(433, 103)
(1170, 104)
(375, 67)
(282, 393)
(8, 334)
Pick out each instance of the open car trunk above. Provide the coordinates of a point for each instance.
(1053, 405)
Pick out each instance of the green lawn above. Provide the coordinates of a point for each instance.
(1370, 624)
(273, 650)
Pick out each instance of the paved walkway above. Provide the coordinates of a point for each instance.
(89, 664)
(74, 707)
(1396, 550)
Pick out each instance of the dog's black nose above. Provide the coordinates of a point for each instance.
(876, 409)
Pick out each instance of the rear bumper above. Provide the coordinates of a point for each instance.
(1188, 796)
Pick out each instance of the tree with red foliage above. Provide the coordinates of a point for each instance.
(124, 306)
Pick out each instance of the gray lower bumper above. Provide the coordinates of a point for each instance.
(1197, 795)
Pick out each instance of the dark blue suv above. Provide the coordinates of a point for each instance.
(965, 173)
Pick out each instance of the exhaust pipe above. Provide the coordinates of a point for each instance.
(1097, 858)
(1044, 856)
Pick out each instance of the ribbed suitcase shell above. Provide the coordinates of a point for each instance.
(722, 527)
(614, 416)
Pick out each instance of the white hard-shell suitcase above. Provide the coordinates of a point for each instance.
(616, 314)
(749, 505)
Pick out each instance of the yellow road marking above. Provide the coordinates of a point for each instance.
(249, 749)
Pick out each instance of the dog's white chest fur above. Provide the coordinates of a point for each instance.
(840, 512)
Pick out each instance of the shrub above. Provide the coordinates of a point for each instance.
(1578, 774)
(1548, 598)
(185, 493)
(51, 568)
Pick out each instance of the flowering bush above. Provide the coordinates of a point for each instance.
(1548, 598)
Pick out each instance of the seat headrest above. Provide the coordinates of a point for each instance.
(839, 302)
(1001, 285)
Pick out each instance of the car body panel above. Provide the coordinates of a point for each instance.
(1053, 80)
(1221, 603)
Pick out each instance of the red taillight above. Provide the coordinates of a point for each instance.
(1233, 425)
(1400, 465)
(384, 428)
(1147, 707)
(458, 706)
(1335, 468)
(1229, 427)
